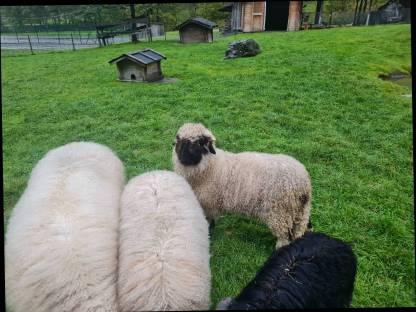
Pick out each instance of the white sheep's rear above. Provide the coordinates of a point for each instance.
(61, 243)
(164, 246)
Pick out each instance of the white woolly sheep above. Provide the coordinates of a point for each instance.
(163, 246)
(274, 188)
(61, 242)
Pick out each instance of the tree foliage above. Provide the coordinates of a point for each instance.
(172, 14)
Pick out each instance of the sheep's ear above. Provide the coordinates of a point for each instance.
(211, 147)
(176, 140)
(206, 143)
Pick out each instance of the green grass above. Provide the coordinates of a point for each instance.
(314, 95)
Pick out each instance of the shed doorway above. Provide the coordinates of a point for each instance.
(277, 14)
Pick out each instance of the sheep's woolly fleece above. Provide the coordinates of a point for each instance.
(61, 243)
(273, 187)
(163, 246)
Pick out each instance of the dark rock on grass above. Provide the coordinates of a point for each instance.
(394, 75)
(242, 48)
(401, 78)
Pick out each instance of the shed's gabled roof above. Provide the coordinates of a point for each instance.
(228, 7)
(145, 56)
(200, 21)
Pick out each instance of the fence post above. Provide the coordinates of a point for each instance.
(59, 39)
(368, 19)
(79, 33)
(30, 44)
(73, 46)
(17, 36)
(37, 35)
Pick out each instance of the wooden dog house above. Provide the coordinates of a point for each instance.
(196, 29)
(143, 65)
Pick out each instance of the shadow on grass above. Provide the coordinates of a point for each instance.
(239, 247)
(244, 230)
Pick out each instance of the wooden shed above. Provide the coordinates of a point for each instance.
(263, 15)
(143, 65)
(196, 29)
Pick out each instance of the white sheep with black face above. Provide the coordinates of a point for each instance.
(61, 241)
(163, 246)
(273, 187)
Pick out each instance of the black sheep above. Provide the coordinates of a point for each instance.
(314, 271)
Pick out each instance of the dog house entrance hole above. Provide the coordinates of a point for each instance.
(132, 77)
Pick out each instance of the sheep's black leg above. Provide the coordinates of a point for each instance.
(310, 228)
(211, 225)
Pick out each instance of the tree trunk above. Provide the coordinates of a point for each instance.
(360, 9)
(355, 12)
(318, 13)
(157, 13)
(133, 25)
(369, 13)
(364, 11)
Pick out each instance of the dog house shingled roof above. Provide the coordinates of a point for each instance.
(145, 57)
(200, 21)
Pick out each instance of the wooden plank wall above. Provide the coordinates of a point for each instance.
(293, 23)
(253, 16)
(247, 16)
(258, 16)
(194, 33)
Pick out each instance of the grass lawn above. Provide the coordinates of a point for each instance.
(314, 95)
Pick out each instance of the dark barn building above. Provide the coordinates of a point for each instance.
(197, 29)
(263, 15)
(139, 66)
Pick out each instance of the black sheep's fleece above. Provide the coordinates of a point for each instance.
(314, 271)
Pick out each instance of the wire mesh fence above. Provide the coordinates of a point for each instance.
(41, 42)
(65, 40)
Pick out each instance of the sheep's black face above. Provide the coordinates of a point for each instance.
(190, 152)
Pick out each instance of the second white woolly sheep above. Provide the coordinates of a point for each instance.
(163, 246)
